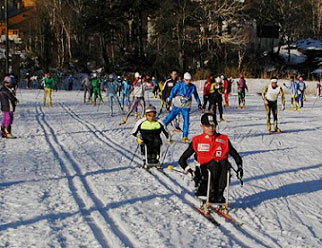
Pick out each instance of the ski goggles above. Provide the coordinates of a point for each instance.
(151, 114)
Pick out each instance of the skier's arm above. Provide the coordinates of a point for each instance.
(264, 92)
(195, 94)
(184, 157)
(136, 128)
(282, 96)
(173, 92)
(165, 130)
(234, 154)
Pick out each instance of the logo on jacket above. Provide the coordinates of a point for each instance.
(203, 147)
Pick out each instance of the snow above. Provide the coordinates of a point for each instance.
(68, 180)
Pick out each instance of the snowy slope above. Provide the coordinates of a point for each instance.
(67, 181)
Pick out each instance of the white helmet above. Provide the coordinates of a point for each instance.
(94, 75)
(137, 75)
(187, 76)
(150, 108)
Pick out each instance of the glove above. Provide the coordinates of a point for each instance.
(170, 141)
(240, 172)
(283, 108)
(139, 141)
(200, 107)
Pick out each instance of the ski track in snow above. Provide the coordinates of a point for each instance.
(75, 182)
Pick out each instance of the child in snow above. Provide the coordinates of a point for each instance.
(211, 150)
(147, 132)
(8, 106)
(241, 88)
(48, 82)
(301, 91)
(270, 94)
(293, 87)
(112, 87)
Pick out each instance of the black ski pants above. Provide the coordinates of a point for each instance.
(218, 171)
(216, 100)
(153, 143)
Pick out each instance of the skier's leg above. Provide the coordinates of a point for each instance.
(50, 91)
(220, 108)
(45, 97)
(224, 167)
(173, 113)
(268, 117)
(275, 111)
(185, 114)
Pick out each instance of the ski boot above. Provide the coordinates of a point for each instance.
(292, 108)
(277, 130)
(185, 140)
(7, 133)
(124, 120)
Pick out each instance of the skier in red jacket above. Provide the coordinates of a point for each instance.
(211, 150)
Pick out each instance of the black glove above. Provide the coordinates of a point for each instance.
(200, 107)
(240, 172)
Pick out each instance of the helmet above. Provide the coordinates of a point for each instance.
(111, 76)
(150, 108)
(222, 77)
(187, 76)
(7, 79)
(94, 75)
(137, 75)
(218, 80)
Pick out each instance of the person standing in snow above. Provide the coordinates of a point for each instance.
(70, 81)
(301, 91)
(293, 87)
(155, 87)
(87, 87)
(181, 98)
(48, 83)
(112, 87)
(147, 133)
(270, 94)
(138, 97)
(167, 87)
(216, 91)
(125, 92)
(226, 92)
(96, 87)
(241, 88)
(8, 106)
(211, 150)
(206, 92)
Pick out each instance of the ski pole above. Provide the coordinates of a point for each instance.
(137, 147)
(314, 102)
(241, 180)
(165, 154)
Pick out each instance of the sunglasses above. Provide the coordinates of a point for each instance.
(150, 114)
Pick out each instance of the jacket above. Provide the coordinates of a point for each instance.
(8, 100)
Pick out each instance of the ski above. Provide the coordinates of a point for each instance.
(220, 212)
(206, 215)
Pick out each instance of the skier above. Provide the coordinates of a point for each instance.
(27, 79)
(301, 91)
(70, 81)
(155, 87)
(241, 87)
(211, 150)
(147, 132)
(293, 87)
(181, 98)
(216, 91)
(226, 90)
(87, 87)
(167, 87)
(96, 88)
(138, 97)
(206, 89)
(48, 82)
(318, 88)
(270, 94)
(8, 106)
(112, 88)
(125, 92)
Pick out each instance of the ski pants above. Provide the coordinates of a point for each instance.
(49, 93)
(218, 171)
(87, 92)
(136, 101)
(97, 94)
(241, 97)
(125, 99)
(153, 143)
(300, 99)
(271, 107)
(7, 119)
(185, 114)
(111, 97)
(206, 99)
(226, 99)
(216, 100)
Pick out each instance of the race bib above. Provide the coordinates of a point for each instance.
(203, 147)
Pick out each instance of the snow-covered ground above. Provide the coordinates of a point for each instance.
(68, 181)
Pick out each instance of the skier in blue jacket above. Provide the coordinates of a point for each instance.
(111, 91)
(301, 91)
(181, 98)
(125, 92)
(293, 87)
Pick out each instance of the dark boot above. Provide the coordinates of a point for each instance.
(7, 133)
(2, 132)
(221, 198)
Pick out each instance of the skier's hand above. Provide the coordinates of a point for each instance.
(283, 108)
(139, 141)
(240, 172)
(170, 141)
